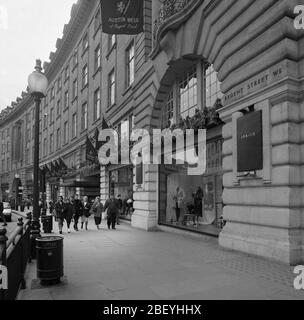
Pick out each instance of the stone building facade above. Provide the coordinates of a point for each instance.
(193, 52)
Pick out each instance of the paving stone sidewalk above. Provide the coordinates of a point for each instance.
(131, 264)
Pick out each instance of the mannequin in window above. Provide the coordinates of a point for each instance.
(198, 202)
(178, 198)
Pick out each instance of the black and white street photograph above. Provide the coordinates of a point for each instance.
(151, 151)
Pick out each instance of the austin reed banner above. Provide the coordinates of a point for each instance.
(122, 16)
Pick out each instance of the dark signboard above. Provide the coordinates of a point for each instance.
(250, 142)
(122, 16)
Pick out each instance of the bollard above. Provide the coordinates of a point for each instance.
(20, 224)
(34, 234)
(3, 239)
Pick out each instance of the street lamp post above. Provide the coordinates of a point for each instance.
(37, 84)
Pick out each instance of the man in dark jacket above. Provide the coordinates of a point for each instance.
(60, 213)
(2, 215)
(78, 211)
(112, 207)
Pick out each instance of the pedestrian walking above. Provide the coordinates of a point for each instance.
(78, 211)
(97, 209)
(51, 207)
(60, 213)
(111, 206)
(69, 212)
(2, 216)
(86, 213)
(119, 206)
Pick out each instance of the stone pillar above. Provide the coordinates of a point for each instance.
(48, 193)
(104, 184)
(264, 213)
(145, 214)
(61, 189)
(78, 190)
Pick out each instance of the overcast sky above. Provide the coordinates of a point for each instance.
(29, 32)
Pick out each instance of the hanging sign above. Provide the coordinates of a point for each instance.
(122, 16)
(250, 142)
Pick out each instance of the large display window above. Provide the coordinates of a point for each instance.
(193, 202)
(121, 183)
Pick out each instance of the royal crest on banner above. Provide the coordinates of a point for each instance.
(122, 16)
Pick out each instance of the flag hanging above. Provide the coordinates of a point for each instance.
(122, 16)
(91, 153)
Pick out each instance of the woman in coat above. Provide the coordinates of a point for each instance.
(86, 213)
(97, 210)
(69, 212)
(60, 213)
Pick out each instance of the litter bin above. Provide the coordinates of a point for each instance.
(49, 259)
(47, 224)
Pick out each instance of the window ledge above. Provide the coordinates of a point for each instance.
(83, 131)
(110, 51)
(96, 121)
(130, 87)
(111, 107)
(74, 99)
(96, 31)
(76, 65)
(85, 87)
(95, 73)
(65, 109)
(74, 138)
(85, 51)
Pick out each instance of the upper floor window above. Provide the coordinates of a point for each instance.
(85, 76)
(66, 99)
(97, 104)
(45, 146)
(97, 58)
(75, 88)
(51, 142)
(52, 116)
(74, 125)
(130, 57)
(75, 58)
(111, 41)
(85, 43)
(84, 116)
(66, 132)
(52, 93)
(111, 88)
(58, 108)
(59, 84)
(58, 138)
(67, 73)
(97, 20)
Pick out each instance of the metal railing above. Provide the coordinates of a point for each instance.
(168, 9)
(14, 255)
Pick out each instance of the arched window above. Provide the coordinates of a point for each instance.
(212, 87)
(183, 98)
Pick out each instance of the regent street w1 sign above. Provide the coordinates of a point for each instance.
(122, 16)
